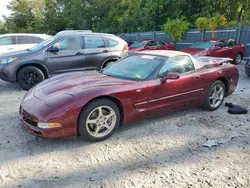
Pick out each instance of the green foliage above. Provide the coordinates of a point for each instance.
(176, 28)
(117, 16)
(202, 23)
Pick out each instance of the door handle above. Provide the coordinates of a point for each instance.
(105, 51)
(196, 76)
(79, 53)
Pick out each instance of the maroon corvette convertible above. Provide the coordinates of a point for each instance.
(143, 85)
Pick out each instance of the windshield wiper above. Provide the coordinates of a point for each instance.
(28, 50)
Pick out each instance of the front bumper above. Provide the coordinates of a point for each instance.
(7, 73)
(31, 114)
(247, 69)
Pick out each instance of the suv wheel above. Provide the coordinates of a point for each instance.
(29, 76)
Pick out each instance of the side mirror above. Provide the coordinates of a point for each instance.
(170, 76)
(146, 46)
(53, 49)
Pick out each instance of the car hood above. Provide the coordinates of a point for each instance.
(194, 51)
(15, 53)
(75, 82)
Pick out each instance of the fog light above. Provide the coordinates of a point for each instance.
(48, 125)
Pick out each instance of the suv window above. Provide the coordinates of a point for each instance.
(110, 42)
(178, 64)
(159, 43)
(70, 43)
(7, 41)
(93, 42)
(37, 39)
(25, 40)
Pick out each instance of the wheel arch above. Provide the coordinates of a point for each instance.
(37, 65)
(113, 99)
(114, 58)
(225, 82)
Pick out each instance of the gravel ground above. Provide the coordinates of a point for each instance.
(161, 152)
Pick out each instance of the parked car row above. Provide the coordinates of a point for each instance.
(65, 52)
(103, 87)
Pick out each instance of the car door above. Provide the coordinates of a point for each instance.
(224, 51)
(150, 45)
(68, 57)
(159, 45)
(7, 44)
(171, 95)
(94, 51)
(233, 47)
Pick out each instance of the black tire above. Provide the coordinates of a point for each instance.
(207, 104)
(236, 60)
(29, 76)
(83, 130)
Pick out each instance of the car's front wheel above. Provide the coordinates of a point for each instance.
(215, 96)
(29, 76)
(99, 120)
(238, 58)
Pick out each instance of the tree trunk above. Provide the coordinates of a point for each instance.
(212, 31)
(240, 13)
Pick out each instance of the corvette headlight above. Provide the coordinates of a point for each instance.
(8, 60)
(59, 100)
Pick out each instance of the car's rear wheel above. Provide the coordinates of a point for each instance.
(99, 120)
(29, 76)
(238, 58)
(215, 96)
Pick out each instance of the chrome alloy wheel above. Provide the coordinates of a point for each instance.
(216, 96)
(101, 121)
(238, 58)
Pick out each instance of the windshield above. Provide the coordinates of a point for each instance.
(138, 44)
(43, 44)
(203, 44)
(136, 67)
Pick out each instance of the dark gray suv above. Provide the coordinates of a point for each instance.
(67, 51)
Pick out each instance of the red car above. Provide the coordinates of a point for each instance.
(218, 48)
(151, 45)
(142, 85)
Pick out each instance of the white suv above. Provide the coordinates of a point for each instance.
(15, 42)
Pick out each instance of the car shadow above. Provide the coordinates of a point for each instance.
(6, 87)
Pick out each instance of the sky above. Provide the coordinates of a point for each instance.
(3, 10)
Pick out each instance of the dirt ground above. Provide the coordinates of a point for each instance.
(161, 152)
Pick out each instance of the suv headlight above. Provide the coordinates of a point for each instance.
(8, 60)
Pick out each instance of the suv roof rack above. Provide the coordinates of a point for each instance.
(65, 32)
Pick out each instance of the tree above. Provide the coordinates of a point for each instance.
(216, 21)
(176, 28)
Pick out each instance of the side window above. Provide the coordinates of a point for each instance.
(231, 42)
(222, 43)
(37, 39)
(159, 43)
(178, 64)
(91, 42)
(151, 43)
(110, 42)
(70, 43)
(7, 41)
(24, 40)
